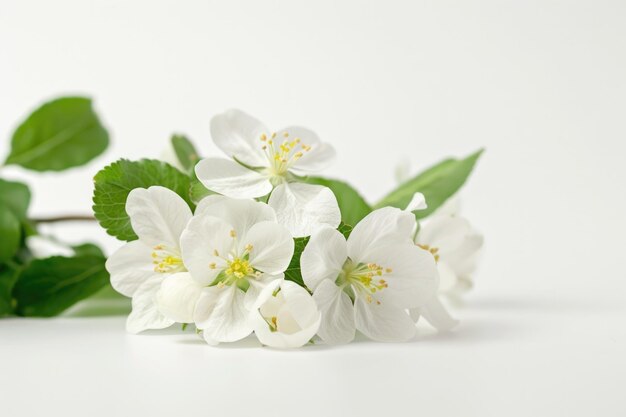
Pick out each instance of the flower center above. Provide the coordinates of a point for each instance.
(433, 251)
(167, 260)
(239, 268)
(235, 267)
(365, 279)
(283, 152)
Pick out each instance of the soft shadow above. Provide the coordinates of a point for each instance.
(533, 303)
(472, 331)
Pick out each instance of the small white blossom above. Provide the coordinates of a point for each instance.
(158, 216)
(266, 162)
(285, 315)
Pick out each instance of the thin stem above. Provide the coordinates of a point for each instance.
(67, 218)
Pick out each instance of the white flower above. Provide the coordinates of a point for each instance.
(232, 249)
(158, 217)
(266, 161)
(368, 282)
(285, 315)
(432, 310)
(455, 245)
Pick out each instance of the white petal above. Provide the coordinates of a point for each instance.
(463, 260)
(413, 279)
(436, 314)
(295, 310)
(145, 314)
(177, 297)
(258, 285)
(201, 239)
(240, 214)
(221, 314)
(418, 202)
(384, 226)
(299, 302)
(444, 232)
(305, 208)
(337, 325)
(307, 136)
(272, 247)
(317, 159)
(130, 266)
(238, 135)
(448, 279)
(158, 215)
(323, 257)
(232, 179)
(383, 323)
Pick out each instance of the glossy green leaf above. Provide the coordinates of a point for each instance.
(47, 287)
(353, 207)
(63, 133)
(438, 183)
(114, 182)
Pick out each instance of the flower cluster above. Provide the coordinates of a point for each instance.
(266, 251)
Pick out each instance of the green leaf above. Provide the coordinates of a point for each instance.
(61, 134)
(438, 183)
(197, 191)
(293, 272)
(16, 196)
(106, 302)
(185, 152)
(114, 182)
(10, 233)
(88, 249)
(352, 206)
(46, 287)
(8, 276)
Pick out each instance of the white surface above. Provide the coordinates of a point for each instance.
(540, 84)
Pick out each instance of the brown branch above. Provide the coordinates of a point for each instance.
(68, 218)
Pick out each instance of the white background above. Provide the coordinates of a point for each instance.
(540, 84)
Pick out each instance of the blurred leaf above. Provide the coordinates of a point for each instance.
(352, 206)
(46, 287)
(197, 191)
(106, 302)
(114, 182)
(8, 276)
(61, 134)
(10, 233)
(185, 152)
(438, 183)
(87, 249)
(16, 196)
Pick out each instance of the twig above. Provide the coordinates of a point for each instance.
(68, 218)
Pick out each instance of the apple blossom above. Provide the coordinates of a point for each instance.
(266, 163)
(158, 216)
(368, 281)
(232, 249)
